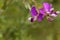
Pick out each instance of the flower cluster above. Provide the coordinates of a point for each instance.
(47, 11)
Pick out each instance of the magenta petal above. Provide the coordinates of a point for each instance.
(34, 11)
(47, 6)
(42, 11)
(40, 17)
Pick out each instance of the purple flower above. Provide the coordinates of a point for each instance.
(40, 17)
(41, 10)
(47, 7)
(49, 10)
(34, 11)
(35, 15)
(46, 11)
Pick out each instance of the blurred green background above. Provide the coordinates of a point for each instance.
(14, 24)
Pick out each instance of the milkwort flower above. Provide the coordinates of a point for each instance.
(46, 11)
(35, 15)
(49, 10)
